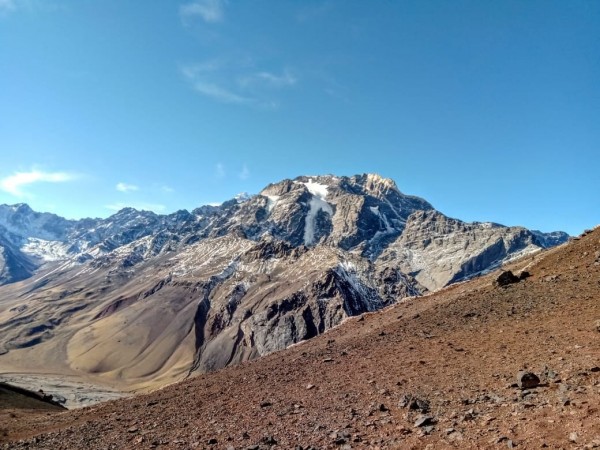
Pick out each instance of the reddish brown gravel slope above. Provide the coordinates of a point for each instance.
(457, 351)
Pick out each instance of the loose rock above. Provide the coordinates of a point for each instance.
(424, 421)
(507, 278)
(527, 380)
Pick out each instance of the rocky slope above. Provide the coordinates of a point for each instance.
(440, 371)
(141, 299)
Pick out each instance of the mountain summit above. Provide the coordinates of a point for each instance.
(143, 298)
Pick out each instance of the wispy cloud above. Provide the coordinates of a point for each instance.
(167, 189)
(220, 170)
(125, 187)
(236, 83)
(210, 11)
(219, 93)
(202, 79)
(15, 184)
(156, 207)
(245, 173)
(269, 79)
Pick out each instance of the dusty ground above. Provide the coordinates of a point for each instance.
(458, 351)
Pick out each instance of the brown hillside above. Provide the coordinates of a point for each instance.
(455, 353)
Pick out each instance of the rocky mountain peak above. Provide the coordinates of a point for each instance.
(375, 184)
(227, 283)
(21, 208)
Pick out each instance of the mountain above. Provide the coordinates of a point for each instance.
(143, 299)
(475, 365)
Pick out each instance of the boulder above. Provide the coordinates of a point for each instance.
(524, 274)
(507, 278)
(527, 380)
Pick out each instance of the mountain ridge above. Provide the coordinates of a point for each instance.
(143, 299)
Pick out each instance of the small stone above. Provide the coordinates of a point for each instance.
(595, 369)
(414, 403)
(309, 387)
(269, 440)
(573, 437)
(469, 415)
(383, 408)
(265, 404)
(527, 380)
(418, 404)
(132, 430)
(509, 442)
(211, 441)
(328, 360)
(428, 429)
(455, 436)
(424, 421)
(403, 430)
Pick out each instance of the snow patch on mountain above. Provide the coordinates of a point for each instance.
(271, 202)
(317, 203)
(316, 189)
(46, 250)
(242, 197)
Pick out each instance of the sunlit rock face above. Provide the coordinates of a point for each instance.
(142, 296)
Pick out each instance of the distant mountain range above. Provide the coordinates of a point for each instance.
(144, 297)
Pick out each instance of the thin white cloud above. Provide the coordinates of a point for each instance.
(202, 79)
(233, 82)
(167, 189)
(220, 170)
(156, 207)
(210, 11)
(219, 93)
(245, 173)
(125, 187)
(192, 71)
(15, 184)
(285, 79)
(269, 79)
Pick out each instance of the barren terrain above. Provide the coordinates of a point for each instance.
(431, 372)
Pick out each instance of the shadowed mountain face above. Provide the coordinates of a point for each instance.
(148, 298)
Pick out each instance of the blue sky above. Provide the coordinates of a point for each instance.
(490, 110)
